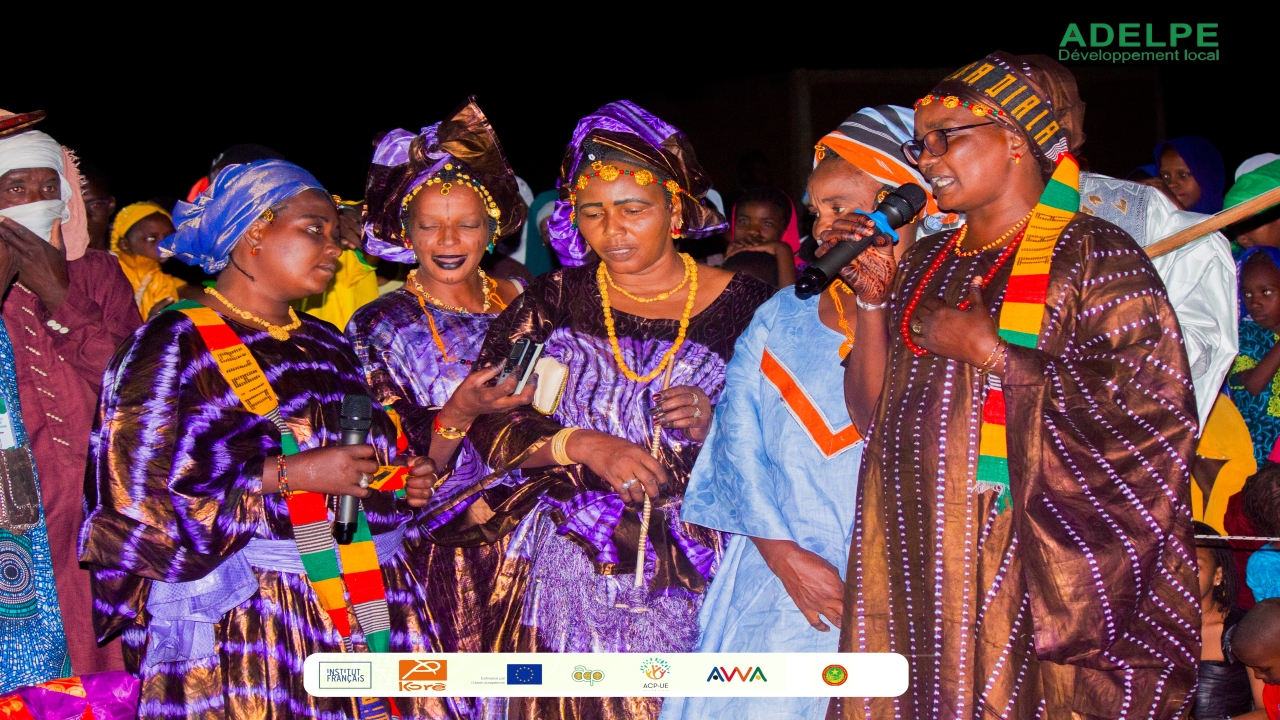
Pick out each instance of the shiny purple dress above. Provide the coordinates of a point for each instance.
(566, 584)
(408, 373)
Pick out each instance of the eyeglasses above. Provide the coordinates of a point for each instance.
(935, 141)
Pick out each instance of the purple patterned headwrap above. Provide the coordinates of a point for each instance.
(627, 127)
(462, 149)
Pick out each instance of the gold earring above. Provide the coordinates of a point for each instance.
(1017, 158)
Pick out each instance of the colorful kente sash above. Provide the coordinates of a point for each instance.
(360, 576)
(1022, 315)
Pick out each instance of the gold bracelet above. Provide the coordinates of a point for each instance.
(448, 433)
(559, 443)
(990, 363)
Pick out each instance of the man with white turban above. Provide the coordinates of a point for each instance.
(66, 309)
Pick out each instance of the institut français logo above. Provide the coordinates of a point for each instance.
(416, 675)
(1139, 42)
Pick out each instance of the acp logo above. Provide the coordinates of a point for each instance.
(751, 675)
(655, 668)
(417, 675)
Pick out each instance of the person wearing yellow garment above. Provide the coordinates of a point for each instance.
(1224, 460)
(355, 284)
(134, 234)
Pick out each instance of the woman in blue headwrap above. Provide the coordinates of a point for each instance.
(1191, 167)
(213, 462)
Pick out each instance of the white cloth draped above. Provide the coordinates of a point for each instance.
(34, 149)
(1200, 276)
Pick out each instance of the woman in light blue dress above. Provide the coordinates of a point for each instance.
(779, 469)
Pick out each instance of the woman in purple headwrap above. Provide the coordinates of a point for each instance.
(598, 559)
(438, 199)
(1191, 167)
(215, 459)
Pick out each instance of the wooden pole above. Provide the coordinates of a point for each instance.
(1215, 223)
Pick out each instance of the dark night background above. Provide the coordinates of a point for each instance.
(152, 106)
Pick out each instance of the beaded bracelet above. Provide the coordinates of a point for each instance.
(559, 449)
(282, 477)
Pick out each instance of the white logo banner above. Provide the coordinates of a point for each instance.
(607, 674)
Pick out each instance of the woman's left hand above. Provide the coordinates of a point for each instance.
(965, 335)
(422, 478)
(685, 407)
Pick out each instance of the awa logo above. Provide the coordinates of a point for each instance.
(751, 674)
(655, 669)
(420, 675)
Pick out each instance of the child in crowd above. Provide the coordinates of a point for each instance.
(1253, 380)
(1262, 508)
(1256, 643)
(1226, 688)
(764, 224)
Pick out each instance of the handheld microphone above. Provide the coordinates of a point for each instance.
(897, 209)
(357, 418)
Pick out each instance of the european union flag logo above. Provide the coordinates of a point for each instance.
(524, 674)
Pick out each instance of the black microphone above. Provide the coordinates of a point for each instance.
(897, 209)
(357, 417)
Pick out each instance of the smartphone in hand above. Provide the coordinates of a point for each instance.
(520, 361)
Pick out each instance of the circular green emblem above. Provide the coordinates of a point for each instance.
(835, 675)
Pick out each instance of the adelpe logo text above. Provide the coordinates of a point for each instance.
(751, 674)
(428, 675)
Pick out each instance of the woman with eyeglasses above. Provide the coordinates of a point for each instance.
(1023, 533)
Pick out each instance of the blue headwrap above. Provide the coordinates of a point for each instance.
(208, 228)
(1273, 253)
(1205, 163)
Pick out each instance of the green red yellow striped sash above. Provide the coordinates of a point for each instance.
(360, 578)
(1022, 315)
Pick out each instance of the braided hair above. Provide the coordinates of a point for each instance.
(1226, 593)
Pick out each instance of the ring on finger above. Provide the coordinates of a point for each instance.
(697, 412)
(917, 326)
(364, 480)
(695, 399)
(629, 483)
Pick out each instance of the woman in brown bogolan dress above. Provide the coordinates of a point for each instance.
(1047, 571)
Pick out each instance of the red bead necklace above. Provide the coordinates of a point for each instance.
(955, 240)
